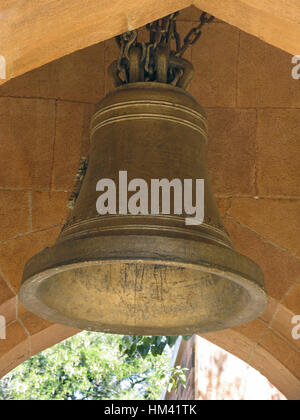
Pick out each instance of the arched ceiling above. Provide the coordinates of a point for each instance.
(35, 33)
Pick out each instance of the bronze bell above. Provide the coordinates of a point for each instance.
(144, 274)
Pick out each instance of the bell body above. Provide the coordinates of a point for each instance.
(149, 274)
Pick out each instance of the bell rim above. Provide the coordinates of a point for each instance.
(258, 299)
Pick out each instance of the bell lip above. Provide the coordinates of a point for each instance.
(257, 304)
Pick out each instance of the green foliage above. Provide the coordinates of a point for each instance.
(177, 377)
(145, 345)
(92, 366)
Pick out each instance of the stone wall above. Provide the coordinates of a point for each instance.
(216, 375)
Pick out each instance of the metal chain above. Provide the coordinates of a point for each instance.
(194, 35)
(156, 60)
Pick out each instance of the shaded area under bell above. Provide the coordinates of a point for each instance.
(144, 274)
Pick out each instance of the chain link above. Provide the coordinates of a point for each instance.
(163, 34)
(194, 35)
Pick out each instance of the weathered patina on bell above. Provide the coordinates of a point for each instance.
(150, 273)
(144, 274)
